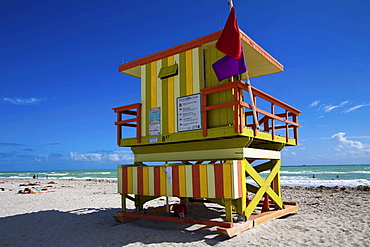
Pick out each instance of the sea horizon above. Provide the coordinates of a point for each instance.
(351, 175)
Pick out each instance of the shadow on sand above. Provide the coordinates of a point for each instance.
(96, 227)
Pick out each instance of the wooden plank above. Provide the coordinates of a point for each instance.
(203, 181)
(258, 219)
(230, 232)
(140, 188)
(211, 181)
(163, 181)
(196, 180)
(157, 181)
(124, 180)
(219, 181)
(175, 181)
(176, 219)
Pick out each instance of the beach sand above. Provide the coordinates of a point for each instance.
(79, 213)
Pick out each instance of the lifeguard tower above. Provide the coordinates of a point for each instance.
(210, 144)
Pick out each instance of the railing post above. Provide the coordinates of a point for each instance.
(286, 126)
(295, 128)
(138, 123)
(273, 121)
(119, 128)
(204, 114)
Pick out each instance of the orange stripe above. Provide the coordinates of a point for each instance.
(219, 180)
(157, 181)
(140, 180)
(240, 179)
(194, 44)
(175, 181)
(196, 180)
(124, 180)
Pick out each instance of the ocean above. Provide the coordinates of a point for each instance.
(306, 175)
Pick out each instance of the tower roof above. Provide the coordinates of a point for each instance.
(259, 62)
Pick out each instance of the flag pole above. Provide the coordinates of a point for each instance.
(249, 89)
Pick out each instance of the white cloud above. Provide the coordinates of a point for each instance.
(24, 101)
(355, 108)
(85, 157)
(350, 146)
(329, 108)
(315, 103)
(340, 137)
(116, 156)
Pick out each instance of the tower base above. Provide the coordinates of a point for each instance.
(226, 229)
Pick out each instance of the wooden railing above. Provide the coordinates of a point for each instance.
(266, 119)
(289, 117)
(128, 110)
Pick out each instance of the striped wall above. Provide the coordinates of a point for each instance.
(156, 92)
(223, 116)
(200, 181)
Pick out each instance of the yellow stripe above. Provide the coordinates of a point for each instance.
(189, 72)
(211, 181)
(176, 90)
(151, 180)
(182, 181)
(189, 181)
(171, 100)
(163, 181)
(134, 180)
(196, 74)
(159, 90)
(153, 85)
(145, 181)
(143, 100)
(227, 180)
(159, 83)
(129, 180)
(203, 180)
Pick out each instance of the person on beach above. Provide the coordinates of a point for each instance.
(27, 191)
(4, 189)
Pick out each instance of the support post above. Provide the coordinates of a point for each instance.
(229, 210)
(123, 202)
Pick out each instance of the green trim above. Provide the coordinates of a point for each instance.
(239, 142)
(164, 120)
(196, 135)
(168, 71)
(182, 74)
(148, 97)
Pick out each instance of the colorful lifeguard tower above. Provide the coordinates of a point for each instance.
(204, 135)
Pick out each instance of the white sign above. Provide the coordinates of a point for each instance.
(189, 113)
(155, 121)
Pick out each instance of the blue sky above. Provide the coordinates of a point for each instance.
(59, 73)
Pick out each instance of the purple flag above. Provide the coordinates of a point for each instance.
(229, 66)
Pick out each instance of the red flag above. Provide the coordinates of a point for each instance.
(229, 41)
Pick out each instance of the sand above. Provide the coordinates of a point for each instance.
(79, 213)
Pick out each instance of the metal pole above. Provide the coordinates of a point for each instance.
(252, 102)
(249, 88)
(231, 3)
